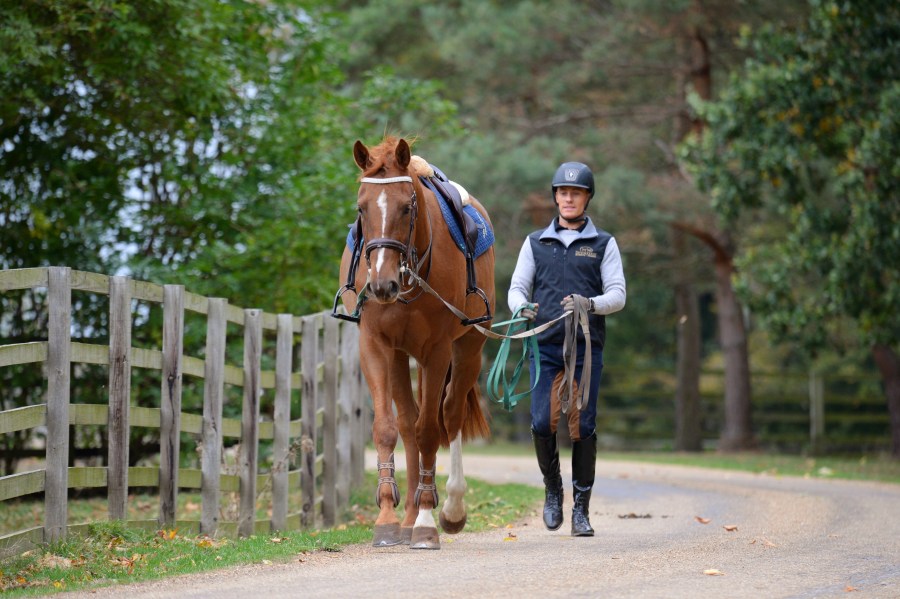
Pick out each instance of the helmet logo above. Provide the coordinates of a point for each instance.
(571, 174)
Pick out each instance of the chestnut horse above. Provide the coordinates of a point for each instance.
(405, 235)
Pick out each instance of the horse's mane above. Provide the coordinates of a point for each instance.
(382, 157)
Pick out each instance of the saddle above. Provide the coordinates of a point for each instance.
(441, 186)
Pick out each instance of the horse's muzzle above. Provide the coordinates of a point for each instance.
(386, 291)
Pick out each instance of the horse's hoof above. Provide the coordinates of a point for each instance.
(387, 535)
(425, 538)
(406, 534)
(452, 528)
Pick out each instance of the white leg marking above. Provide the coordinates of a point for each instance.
(425, 519)
(454, 509)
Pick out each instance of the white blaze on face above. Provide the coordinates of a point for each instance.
(382, 204)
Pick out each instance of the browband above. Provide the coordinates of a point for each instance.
(387, 180)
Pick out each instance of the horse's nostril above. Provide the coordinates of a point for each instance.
(386, 291)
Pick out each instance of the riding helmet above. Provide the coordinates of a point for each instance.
(573, 174)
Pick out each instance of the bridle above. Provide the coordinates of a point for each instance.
(410, 261)
(407, 250)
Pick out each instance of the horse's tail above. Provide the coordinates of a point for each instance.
(474, 425)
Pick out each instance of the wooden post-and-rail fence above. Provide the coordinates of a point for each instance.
(329, 383)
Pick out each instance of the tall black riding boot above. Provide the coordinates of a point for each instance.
(584, 460)
(548, 459)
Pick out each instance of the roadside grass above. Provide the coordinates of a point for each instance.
(112, 553)
(878, 468)
(875, 467)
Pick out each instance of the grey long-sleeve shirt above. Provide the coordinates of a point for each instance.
(612, 299)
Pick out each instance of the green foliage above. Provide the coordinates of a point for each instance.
(802, 156)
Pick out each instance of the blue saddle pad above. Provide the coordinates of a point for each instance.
(485, 233)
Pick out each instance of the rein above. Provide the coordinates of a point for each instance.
(516, 330)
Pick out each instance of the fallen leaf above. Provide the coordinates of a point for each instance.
(702, 520)
(713, 572)
(850, 589)
(730, 527)
(509, 526)
(511, 536)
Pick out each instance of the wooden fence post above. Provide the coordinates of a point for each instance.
(119, 396)
(329, 424)
(282, 415)
(816, 411)
(211, 433)
(359, 419)
(59, 359)
(250, 420)
(170, 402)
(344, 414)
(309, 405)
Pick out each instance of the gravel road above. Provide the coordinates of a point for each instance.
(795, 537)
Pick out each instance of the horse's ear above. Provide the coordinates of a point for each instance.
(403, 154)
(361, 154)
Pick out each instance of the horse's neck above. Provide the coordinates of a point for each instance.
(424, 229)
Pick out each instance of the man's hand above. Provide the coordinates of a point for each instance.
(529, 311)
(570, 302)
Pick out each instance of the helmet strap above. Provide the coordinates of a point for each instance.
(579, 219)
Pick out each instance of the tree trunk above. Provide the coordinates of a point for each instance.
(889, 365)
(688, 433)
(738, 431)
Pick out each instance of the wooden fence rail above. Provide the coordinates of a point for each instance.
(329, 384)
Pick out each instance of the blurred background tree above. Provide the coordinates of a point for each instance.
(209, 143)
(802, 157)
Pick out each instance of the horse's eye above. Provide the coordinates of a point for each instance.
(406, 209)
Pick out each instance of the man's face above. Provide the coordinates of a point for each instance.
(571, 201)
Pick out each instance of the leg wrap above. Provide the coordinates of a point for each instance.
(387, 480)
(426, 487)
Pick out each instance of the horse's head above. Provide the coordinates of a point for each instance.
(387, 205)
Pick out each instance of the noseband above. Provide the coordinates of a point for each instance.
(408, 250)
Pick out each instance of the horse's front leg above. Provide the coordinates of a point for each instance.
(434, 372)
(407, 413)
(376, 365)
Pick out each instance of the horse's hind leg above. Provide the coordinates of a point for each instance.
(463, 381)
